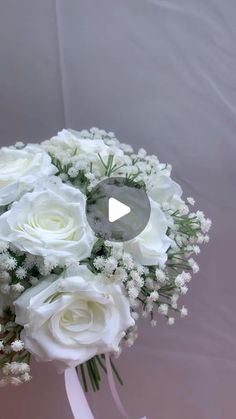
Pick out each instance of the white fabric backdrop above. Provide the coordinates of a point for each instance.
(161, 74)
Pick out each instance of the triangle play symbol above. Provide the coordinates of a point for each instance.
(117, 210)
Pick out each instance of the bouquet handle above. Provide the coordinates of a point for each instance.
(76, 397)
(113, 389)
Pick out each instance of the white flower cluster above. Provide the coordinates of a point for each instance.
(65, 294)
(15, 373)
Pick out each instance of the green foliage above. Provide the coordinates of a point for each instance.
(91, 371)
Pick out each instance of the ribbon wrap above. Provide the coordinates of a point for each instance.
(113, 389)
(77, 400)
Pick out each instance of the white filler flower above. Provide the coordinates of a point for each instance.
(68, 146)
(150, 246)
(20, 169)
(49, 222)
(71, 319)
(71, 143)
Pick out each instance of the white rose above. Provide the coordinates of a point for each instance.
(71, 319)
(151, 245)
(69, 145)
(20, 169)
(166, 191)
(71, 142)
(50, 221)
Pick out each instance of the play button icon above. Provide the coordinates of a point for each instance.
(118, 209)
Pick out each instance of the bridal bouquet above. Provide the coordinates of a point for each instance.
(68, 295)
